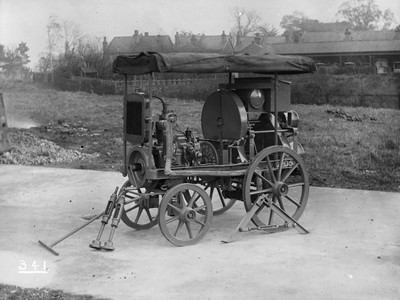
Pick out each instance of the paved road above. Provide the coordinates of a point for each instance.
(352, 252)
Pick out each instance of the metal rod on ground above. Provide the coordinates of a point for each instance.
(50, 248)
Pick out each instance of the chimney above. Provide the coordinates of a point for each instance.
(146, 34)
(136, 33)
(176, 41)
(105, 44)
(347, 34)
(397, 33)
(257, 38)
(223, 36)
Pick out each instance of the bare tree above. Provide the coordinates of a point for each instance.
(267, 30)
(246, 22)
(53, 37)
(71, 34)
(90, 51)
(366, 15)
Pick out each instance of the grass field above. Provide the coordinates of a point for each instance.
(346, 147)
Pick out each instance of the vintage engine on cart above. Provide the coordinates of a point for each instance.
(247, 150)
(238, 121)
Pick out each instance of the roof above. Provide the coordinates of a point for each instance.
(154, 43)
(343, 47)
(243, 42)
(256, 49)
(316, 37)
(274, 39)
(121, 44)
(310, 43)
(145, 63)
(203, 43)
(136, 44)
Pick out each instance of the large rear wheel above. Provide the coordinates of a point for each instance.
(277, 174)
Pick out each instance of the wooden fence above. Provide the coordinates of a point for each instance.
(111, 87)
(302, 93)
(144, 84)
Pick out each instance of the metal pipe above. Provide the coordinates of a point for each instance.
(194, 172)
(168, 147)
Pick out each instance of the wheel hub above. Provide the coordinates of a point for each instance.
(188, 215)
(280, 189)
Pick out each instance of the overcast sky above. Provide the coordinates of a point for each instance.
(26, 20)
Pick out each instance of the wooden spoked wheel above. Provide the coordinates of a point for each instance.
(141, 207)
(180, 219)
(277, 174)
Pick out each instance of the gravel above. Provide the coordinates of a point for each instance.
(12, 292)
(32, 151)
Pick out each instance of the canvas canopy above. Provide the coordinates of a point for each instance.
(149, 62)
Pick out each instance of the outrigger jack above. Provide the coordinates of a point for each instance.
(96, 244)
(289, 221)
(114, 224)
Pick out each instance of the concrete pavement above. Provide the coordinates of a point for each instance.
(352, 251)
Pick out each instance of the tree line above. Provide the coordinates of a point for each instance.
(68, 48)
(13, 60)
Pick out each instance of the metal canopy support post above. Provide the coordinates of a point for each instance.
(289, 221)
(124, 168)
(276, 108)
(149, 116)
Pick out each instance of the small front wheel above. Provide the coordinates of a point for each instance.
(185, 214)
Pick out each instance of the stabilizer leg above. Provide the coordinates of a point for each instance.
(289, 221)
(96, 244)
(114, 224)
(246, 219)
